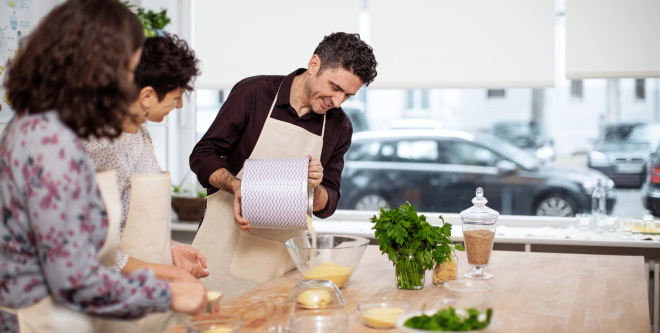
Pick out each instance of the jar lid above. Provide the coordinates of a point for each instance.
(479, 213)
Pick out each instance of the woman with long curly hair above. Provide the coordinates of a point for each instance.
(73, 80)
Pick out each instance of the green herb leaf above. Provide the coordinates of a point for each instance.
(451, 320)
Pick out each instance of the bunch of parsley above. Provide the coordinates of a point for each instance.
(450, 320)
(401, 231)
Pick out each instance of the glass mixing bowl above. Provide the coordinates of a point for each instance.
(335, 257)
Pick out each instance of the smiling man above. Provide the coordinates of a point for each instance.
(297, 115)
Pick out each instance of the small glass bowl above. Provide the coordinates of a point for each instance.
(315, 295)
(379, 312)
(319, 321)
(216, 323)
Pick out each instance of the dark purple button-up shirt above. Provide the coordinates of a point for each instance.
(235, 130)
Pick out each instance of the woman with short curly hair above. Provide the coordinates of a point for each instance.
(73, 80)
(166, 70)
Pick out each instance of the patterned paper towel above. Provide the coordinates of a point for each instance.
(275, 193)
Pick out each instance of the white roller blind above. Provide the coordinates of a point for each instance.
(238, 39)
(612, 38)
(463, 43)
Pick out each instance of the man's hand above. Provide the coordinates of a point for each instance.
(315, 175)
(240, 221)
(189, 259)
(223, 180)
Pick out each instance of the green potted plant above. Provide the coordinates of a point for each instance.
(188, 206)
(152, 22)
(412, 244)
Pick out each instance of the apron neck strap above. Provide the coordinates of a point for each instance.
(146, 139)
(323, 130)
(274, 101)
(267, 118)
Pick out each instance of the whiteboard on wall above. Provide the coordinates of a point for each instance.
(612, 39)
(239, 39)
(17, 19)
(463, 44)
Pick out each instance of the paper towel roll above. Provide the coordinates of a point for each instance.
(275, 193)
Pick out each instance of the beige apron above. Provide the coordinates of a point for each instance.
(146, 237)
(240, 261)
(48, 316)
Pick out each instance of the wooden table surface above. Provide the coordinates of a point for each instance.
(533, 292)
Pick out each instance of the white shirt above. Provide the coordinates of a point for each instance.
(111, 155)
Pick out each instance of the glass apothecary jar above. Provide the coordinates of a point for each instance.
(409, 271)
(447, 271)
(479, 235)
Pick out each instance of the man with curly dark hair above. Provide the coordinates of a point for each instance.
(291, 116)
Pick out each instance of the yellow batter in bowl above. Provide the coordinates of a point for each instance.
(382, 317)
(330, 271)
(314, 299)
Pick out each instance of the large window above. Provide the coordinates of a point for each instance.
(526, 146)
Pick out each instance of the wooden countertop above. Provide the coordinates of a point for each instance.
(533, 292)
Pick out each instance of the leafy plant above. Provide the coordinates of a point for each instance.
(178, 189)
(127, 4)
(401, 233)
(151, 21)
(452, 320)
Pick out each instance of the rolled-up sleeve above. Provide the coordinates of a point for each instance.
(221, 138)
(333, 169)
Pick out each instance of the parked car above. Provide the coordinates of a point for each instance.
(623, 150)
(358, 119)
(651, 187)
(528, 136)
(413, 123)
(439, 171)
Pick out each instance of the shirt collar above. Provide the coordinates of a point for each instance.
(283, 97)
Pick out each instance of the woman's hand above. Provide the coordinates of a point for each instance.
(162, 271)
(189, 259)
(188, 298)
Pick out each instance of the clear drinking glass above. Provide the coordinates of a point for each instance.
(598, 223)
(278, 313)
(478, 224)
(647, 224)
(610, 223)
(218, 322)
(627, 225)
(319, 321)
(584, 220)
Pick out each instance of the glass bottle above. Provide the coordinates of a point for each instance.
(598, 210)
(446, 271)
(478, 224)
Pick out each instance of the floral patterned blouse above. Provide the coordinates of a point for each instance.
(130, 157)
(45, 172)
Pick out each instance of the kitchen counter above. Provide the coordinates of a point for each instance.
(533, 292)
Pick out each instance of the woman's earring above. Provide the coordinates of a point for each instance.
(146, 115)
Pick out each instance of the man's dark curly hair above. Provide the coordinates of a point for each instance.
(167, 64)
(76, 62)
(350, 52)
